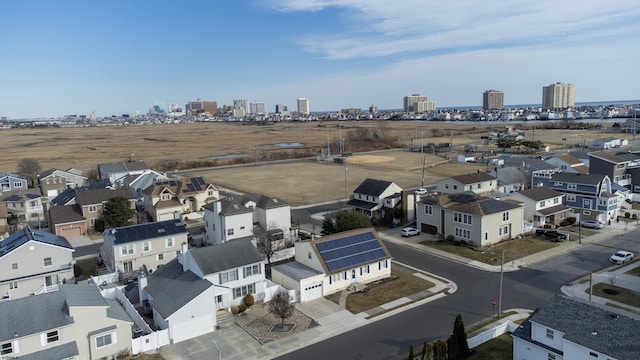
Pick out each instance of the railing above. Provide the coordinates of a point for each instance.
(47, 289)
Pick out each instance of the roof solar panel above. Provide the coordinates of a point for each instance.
(350, 251)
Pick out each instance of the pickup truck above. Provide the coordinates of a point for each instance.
(552, 235)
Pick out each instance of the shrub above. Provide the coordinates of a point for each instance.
(242, 308)
(634, 216)
(571, 220)
(547, 226)
(234, 309)
(450, 238)
(627, 215)
(564, 223)
(249, 300)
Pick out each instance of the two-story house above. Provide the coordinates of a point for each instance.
(510, 179)
(542, 206)
(615, 167)
(26, 204)
(333, 263)
(480, 183)
(117, 173)
(568, 163)
(173, 199)
(607, 143)
(33, 261)
(371, 195)
(4, 223)
(73, 323)
(54, 181)
(572, 328)
(589, 195)
(469, 217)
(11, 182)
(143, 246)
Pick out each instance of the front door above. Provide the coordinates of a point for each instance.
(128, 266)
(50, 280)
(219, 302)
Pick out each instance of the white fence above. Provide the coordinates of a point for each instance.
(106, 278)
(492, 333)
(271, 288)
(150, 341)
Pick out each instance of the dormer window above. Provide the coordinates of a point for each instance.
(165, 196)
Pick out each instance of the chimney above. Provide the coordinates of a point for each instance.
(142, 283)
(184, 257)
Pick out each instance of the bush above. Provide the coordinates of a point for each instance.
(564, 223)
(627, 215)
(234, 309)
(634, 216)
(547, 226)
(570, 220)
(249, 300)
(450, 238)
(242, 308)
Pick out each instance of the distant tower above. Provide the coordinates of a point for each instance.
(417, 103)
(493, 100)
(257, 107)
(373, 109)
(303, 106)
(558, 96)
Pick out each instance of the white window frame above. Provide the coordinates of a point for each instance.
(228, 276)
(146, 246)
(112, 340)
(229, 232)
(93, 208)
(550, 333)
(505, 216)
(160, 257)
(165, 196)
(428, 210)
(244, 290)
(6, 348)
(47, 261)
(572, 186)
(13, 285)
(52, 336)
(170, 242)
(571, 198)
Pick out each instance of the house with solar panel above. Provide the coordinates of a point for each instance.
(374, 197)
(145, 247)
(26, 204)
(333, 263)
(73, 323)
(469, 217)
(176, 199)
(573, 328)
(32, 262)
(118, 173)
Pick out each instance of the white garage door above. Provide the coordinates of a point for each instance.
(313, 291)
(191, 328)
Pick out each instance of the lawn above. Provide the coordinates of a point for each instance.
(624, 296)
(635, 271)
(500, 348)
(403, 285)
(86, 267)
(513, 250)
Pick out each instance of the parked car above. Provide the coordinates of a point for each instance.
(593, 224)
(621, 257)
(552, 235)
(421, 191)
(409, 231)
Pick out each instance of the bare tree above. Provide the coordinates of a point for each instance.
(613, 279)
(281, 306)
(269, 242)
(29, 168)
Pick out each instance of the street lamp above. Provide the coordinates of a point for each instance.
(217, 348)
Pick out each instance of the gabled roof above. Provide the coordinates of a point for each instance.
(65, 214)
(64, 351)
(267, 202)
(27, 234)
(372, 187)
(587, 179)
(473, 178)
(69, 172)
(6, 174)
(470, 203)
(64, 198)
(540, 193)
(608, 157)
(597, 327)
(567, 158)
(226, 256)
(122, 167)
(140, 232)
(22, 195)
(349, 249)
(172, 288)
(98, 196)
(510, 175)
(231, 206)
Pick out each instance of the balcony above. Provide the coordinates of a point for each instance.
(623, 180)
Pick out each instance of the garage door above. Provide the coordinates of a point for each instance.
(71, 231)
(191, 328)
(429, 229)
(313, 291)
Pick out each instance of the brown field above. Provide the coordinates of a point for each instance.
(303, 181)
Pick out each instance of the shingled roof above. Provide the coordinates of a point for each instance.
(372, 187)
(473, 178)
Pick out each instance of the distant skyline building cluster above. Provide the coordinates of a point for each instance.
(558, 96)
(493, 100)
(417, 103)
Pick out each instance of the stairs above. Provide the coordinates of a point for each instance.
(224, 319)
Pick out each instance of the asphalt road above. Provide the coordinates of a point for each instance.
(527, 288)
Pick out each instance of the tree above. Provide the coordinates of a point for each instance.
(427, 351)
(505, 143)
(411, 353)
(117, 212)
(329, 225)
(281, 306)
(440, 350)
(457, 342)
(29, 169)
(344, 220)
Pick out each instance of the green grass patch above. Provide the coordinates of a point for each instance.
(624, 296)
(86, 267)
(500, 348)
(514, 249)
(635, 271)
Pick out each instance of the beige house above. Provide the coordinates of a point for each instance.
(144, 246)
(542, 206)
(470, 218)
(174, 199)
(333, 263)
(33, 261)
(480, 183)
(54, 181)
(74, 323)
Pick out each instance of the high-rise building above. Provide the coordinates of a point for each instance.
(416, 103)
(373, 109)
(241, 104)
(493, 100)
(303, 106)
(210, 107)
(558, 96)
(200, 106)
(257, 107)
(281, 108)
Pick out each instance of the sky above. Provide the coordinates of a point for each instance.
(123, 56)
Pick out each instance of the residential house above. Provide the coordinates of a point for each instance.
(479, 183)
(580, 155)
(614, 166)
(26, 204)
(186, 293)
(633, 171)
(73, 323)
(572, 328)
(173, 199)
(590, 195)
(33, 261)
(568, 163)
(116, 173)
(11, 182)
(67, 221)
(510, 179)
(143, 181)
(241, 216)
(371, 195)
(333, 263)
(469, 217)
(4, 223)
(143, 246)
(542, 206)
(54, 181)
(532, 166)
(607, 143)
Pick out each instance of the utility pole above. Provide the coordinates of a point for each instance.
(345, 179)
(422, 153)
(590, 285)
(501, 277)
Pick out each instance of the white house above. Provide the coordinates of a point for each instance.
(479, 182)
(607, 143)
(370, 197)
(568, 163)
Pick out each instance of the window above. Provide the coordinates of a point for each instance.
(92, 221)
(52, 336)
(602, 202)
(586, 203)
(243, 291)
(229, 232)
(551, 356)
(47, 261)
(47, 181)
(17, 185)
(33, 203)
(93, 208)
(6, 348)
(455, 187)
(463, 218)
(252, 270)
(127, 250)
(241, 227)
(210, 192)
(13, 285)
(228, 276)
(160, 257)
(14, 266)
(178, 252)
(146, 246)
(550, 333)
(571, 198)
(541, 204)
(504, 230)
(165, 196)
(464, 233)
(170, 242)
(505, 216)
(556, 201)
(103, 340)
(428, 209)
(572, 186)
(446, 186)
(591, 353)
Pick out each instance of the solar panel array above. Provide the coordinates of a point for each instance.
(195, 184)
(351, 251)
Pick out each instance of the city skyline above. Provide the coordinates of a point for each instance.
(122, 57)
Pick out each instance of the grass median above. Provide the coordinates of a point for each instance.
(515, 249)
